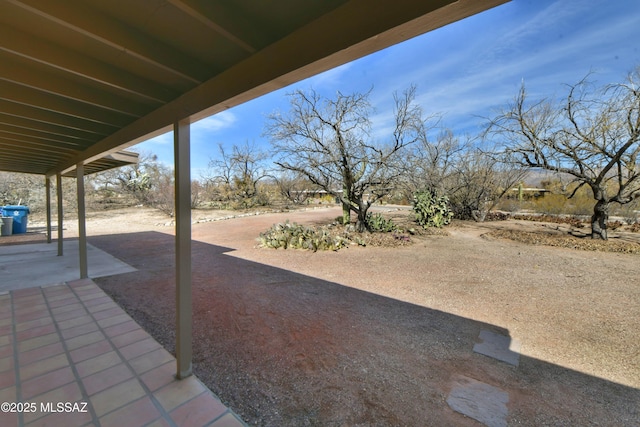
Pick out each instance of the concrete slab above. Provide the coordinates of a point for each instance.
(503, 348)
(38, 264)
(482, 402)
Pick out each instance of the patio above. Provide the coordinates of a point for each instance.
(70, 344)
(82, 81)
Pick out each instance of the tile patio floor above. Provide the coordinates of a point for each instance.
(72, 343)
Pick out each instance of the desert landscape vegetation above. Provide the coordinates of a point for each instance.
(307, 316)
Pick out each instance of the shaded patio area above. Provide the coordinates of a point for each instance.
(70, 344)
(37, 264)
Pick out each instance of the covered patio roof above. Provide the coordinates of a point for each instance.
(83, 79)
(110, 161)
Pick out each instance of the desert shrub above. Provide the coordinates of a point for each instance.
(630, 212)
(431, 209)
(377, 223)
(613, 225)
(291, 235)
(551, 204)
(569, 220)
(497, 216)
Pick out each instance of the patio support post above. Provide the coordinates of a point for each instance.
(60, 213)
(182, 159)
(82, 229)
(47, 185)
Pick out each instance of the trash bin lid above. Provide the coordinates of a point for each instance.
(16, 208)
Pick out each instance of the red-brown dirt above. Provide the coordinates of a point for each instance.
(376, 336)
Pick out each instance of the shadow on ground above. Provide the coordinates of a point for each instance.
(284, 349)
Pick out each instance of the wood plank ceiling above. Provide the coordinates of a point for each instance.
(80, 79)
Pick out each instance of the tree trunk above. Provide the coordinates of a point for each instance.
(363, 208)
(361, 224)
(599, 220)
(346, 207)
(346, 213)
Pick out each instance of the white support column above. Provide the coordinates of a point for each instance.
(182, 153)
(82, 228)
(60, 213)
(47, 185)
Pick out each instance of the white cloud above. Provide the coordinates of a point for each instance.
(215, 123)
(332, 77)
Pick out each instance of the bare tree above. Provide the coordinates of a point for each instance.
(593, 136)
(295, 187)
(329, 142)
(236, 174)
(473, 179)
(430, 164)
(479, 180)
(148, 182)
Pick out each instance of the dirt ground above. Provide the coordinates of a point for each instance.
(377, 336)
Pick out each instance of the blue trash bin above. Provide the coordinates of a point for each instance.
(20, 215)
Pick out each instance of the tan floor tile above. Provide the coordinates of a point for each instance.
(23, 326)
(81, 284)
(68, 393)
(47, 382)
(104, 299)
(150, 360)
(6, 350)
(23, 307)
(8, 394)
(83, 340)
(179, 392)
(20, 301)
(58, 296)
(117, 396)
(59, 305)
(160, 376)
(78, 321)
(139, 348)
(104, 310)
(121, 328)
(43, 366)
(104, 379)
(32, 313)
(71, 314)
(7, 379)
(97, 364)
(9, 419)
(129, 337)
(79, 330)
(36, 332)
(114, 320)
(67, 306)
(22, 293)
(198, 412)
(62, 419)
(138, 413)
(6, 329)
(6, 363)
(91, 350)
(40, 353)
(161, 422)
(104, 305)
(229, 420)
(90, 295)
(37, 342)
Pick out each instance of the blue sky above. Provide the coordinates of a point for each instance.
(464, 71)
